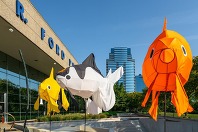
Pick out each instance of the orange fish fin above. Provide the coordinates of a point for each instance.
(175, 103)
(180, 99)
(146, 97)
(153, 95)
(190, 108)
(154, 107)
(165, 22)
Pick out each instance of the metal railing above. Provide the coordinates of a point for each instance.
(2, 119)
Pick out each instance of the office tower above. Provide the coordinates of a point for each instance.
(139, 83)
(121, 56)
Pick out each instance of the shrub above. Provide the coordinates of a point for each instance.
(73, 116)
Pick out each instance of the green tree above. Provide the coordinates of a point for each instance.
(134, 102)
(121, 98)
(191, 86)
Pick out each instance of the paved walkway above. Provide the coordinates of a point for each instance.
(101, 125)
(7, 127)
(132, 123)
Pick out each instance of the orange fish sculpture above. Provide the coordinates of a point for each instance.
(166, 68)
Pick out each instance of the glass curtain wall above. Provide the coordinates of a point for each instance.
(121, 56)
(13, 83)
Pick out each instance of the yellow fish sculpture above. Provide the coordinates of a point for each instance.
(50, 91)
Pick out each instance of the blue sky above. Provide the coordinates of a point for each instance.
(96, 26)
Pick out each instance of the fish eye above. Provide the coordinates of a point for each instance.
(48, 87)
(151, 54)
(68, 77)
(184, 50)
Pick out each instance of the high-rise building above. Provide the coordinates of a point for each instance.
(121, 56)
(139, 83)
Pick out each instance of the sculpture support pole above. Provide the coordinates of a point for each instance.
(50, 121)
(164, 111)
(27, 86)
(85, 113)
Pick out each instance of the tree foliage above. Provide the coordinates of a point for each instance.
(121, 97)
(191, 86)
(134, 102)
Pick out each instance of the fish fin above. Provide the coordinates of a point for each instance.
(180, 99)
(154, 107)
(53, 105)
(175, 103)
(190, 108)
(146, 97)
(52, 73)
(115, 76)
(36, 104)
(65, 102)
(153, 95)
(90, 61)
(165, 22)
(92, 107)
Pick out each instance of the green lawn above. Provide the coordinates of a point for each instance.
(190, 116)
(80, 116)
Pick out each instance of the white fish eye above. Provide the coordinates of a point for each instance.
(184, 50)
(68, 77)
(48, 87)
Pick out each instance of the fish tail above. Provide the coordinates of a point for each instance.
(115, 76)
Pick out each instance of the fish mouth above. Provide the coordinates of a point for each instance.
(167, 55)
(43, 94)
(61, 81)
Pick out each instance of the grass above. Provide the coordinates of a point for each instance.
(189, 115)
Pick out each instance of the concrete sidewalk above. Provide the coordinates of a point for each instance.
(123, 123)
(101, 125)
(8, 128)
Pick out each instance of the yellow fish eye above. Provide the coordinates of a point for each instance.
(48, 87)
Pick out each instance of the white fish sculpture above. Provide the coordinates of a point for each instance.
(86, 80)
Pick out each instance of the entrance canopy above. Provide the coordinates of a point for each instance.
(12, 40)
